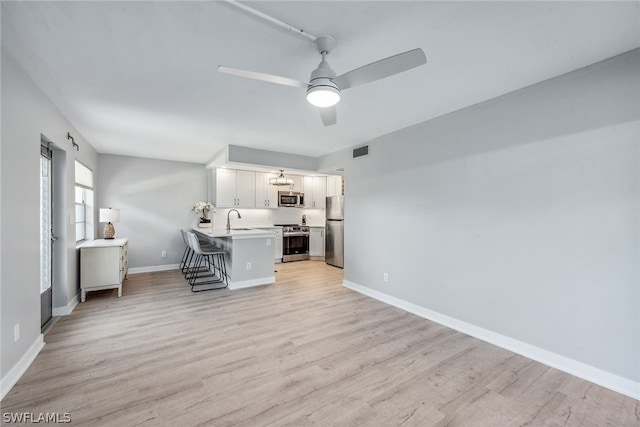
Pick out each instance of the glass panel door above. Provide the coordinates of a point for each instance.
(46, 237)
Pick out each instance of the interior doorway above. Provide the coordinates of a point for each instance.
(46, 236)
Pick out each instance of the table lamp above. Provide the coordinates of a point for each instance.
(109, 215)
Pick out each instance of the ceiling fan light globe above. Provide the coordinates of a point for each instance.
(323, 96)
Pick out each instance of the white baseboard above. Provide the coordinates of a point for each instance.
(570, 366)
(8, 381)
(152, 268)
(253, 282)
(67, 309)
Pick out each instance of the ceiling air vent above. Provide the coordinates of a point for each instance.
(361, 151)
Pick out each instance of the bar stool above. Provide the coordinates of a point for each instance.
(188, 253)
(187, 256)
(209, 264)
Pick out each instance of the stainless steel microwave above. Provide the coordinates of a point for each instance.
(290, 199)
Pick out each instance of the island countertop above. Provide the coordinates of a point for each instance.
(235, 233)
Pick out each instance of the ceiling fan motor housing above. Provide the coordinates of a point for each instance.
(322, 91)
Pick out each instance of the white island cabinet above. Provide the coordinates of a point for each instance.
(249, 254)
(277, 246)
(103, 265)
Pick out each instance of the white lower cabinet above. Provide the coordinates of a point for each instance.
(316, 241)
(103, 265)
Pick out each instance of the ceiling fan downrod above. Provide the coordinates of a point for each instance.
(271, 19)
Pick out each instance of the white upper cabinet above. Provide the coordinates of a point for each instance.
(235, 188)
(225, 188)
(247, 189)
(298, 183)
(334, 185)
(315, 191)
(266, 194)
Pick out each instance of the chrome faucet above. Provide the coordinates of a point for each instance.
(228, 219)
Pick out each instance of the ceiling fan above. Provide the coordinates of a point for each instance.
(324, 87)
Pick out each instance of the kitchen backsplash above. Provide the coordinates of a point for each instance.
(269, 217)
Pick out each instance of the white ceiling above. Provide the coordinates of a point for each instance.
(140, 78)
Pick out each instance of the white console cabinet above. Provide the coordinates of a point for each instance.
(103, 265)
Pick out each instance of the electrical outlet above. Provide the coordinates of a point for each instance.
(268, 242)
(16, 332)
(164, 254)
(385, 277)
(248, 266)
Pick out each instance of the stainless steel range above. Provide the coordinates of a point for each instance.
(295, 242)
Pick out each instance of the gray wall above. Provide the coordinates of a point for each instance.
(26, 114)
(155, 198)
(519, 215)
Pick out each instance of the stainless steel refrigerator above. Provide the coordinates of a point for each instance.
(334, 236)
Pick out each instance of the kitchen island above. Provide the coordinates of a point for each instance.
(249, 258)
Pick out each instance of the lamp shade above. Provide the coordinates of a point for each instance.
(281, 179)
(109, 215)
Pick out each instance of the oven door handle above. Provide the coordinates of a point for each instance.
(294, 234)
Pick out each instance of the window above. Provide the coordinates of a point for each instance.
(84, 202)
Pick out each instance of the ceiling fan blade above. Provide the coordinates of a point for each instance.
(381, 69)
(329, 115)
(261, 76)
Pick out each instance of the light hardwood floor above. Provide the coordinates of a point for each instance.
(305, 351)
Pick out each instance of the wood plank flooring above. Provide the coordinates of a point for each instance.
(304, 351)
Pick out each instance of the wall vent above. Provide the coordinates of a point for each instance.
(361, 151)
